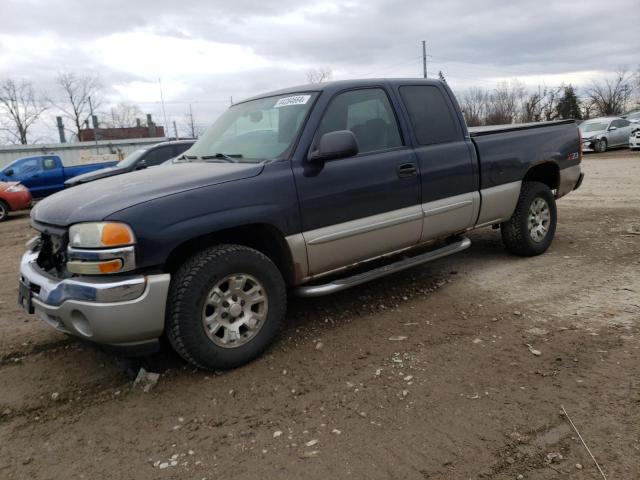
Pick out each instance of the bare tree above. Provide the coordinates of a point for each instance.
(20, 107)
(611, 96)
(505, 102)
(474, 104)
(76, 92)
(124, 115)
(319, 75)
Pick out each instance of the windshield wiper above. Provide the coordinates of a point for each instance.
(231, 158)
(184, 157)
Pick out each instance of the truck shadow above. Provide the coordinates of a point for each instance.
(337, 309)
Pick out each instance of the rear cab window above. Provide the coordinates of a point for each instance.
(430, 114)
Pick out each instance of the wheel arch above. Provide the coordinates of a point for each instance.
(263, 237)
(547, 172)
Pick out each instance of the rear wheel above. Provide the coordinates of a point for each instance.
(225, 306)
(601, 146)
(4, 210)
(531, 228)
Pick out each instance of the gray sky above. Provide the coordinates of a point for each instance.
(206, 52)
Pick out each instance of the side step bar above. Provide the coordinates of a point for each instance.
(360, 278)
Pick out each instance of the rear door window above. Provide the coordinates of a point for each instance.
(430, 114)
(49, 163)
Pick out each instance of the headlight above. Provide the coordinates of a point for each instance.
(16, 188)
(100, 235)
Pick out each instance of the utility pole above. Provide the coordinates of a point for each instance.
(94, 120)
(424, 59)
(164, 113)
(193, 129)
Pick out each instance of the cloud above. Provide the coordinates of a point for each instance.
(206, 52)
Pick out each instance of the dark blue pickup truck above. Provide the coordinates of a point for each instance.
(45, 174)
(308, 190)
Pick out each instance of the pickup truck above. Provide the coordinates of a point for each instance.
(45, 174)
(136, 160)
(308, 190)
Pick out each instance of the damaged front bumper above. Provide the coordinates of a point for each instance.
(121, 311)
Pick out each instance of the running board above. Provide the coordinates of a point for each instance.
(360, 278)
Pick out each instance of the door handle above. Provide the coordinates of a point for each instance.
(407, 170)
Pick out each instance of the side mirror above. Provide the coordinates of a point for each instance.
(9, 172)
(334, 145)
(611, 129)
(141, 165)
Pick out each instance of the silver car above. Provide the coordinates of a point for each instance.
(599, 134)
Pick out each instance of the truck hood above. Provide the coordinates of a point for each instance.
(91, 176)
(97, 200)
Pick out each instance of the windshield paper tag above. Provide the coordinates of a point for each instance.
(295, 100)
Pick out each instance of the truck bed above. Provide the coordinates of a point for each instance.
(491, 129)
(507, 152)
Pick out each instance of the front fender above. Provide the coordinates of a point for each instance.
(163, 224)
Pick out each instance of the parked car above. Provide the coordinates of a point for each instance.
(298, 189)
(633, 115)
(136, 160)
(45, 174)
(599, 134)
(13, 197)
(634, 140)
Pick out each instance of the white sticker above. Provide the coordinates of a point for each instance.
(295, 100)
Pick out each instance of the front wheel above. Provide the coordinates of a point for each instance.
(531, 228)
(225, 306)
(601, 146)
(4, 211)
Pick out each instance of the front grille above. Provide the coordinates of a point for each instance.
(53, 253)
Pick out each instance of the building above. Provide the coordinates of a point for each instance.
(150, 130)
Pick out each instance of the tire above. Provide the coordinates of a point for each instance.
(600, 145)
(526, 233)
(4, 210)
(240, 322)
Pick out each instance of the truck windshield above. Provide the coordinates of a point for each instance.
(131, 158)
(254, 131)
(593, 127)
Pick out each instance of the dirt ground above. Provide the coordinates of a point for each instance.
(423, 375)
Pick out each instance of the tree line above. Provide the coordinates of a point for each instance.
(511, 102)
(78, 95)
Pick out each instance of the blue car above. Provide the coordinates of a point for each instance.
(45, 174)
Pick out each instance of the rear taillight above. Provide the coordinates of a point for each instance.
(579, 145)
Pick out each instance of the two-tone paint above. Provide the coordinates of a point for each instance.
(320, 218)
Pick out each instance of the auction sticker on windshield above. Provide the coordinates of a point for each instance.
(295, 100)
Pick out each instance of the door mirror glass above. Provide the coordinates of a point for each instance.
(141, 165)
(611, 129)
(8, 172)
(334, 145)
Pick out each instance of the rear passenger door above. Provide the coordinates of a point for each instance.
(363, 206)
(447, 161)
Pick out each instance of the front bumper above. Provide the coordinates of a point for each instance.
(119, 311)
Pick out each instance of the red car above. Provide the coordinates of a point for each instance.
(13, 196)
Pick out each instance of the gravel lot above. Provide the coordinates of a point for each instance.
(422, 375)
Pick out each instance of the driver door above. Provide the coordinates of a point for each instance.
(359, 207)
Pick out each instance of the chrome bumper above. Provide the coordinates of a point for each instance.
(117, 311)
(570, 179)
